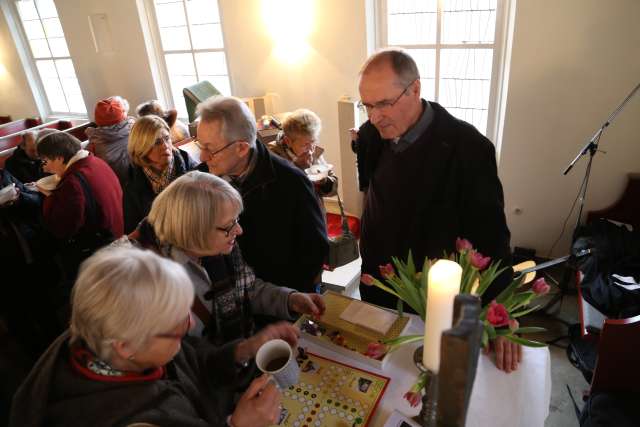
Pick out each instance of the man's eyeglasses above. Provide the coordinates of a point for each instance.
(384, 104)
(227, 230)
(210, 152)
(181, 335)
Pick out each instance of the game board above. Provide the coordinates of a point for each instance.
(331, 394)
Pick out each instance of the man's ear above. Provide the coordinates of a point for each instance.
(416, 88)
(122, 349)
(243, 148)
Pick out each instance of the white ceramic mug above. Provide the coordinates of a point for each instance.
(288, 373)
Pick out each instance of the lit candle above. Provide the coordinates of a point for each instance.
(442, 288)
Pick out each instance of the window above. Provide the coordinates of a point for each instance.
(454, 44)
(191, 42)
(50, 55)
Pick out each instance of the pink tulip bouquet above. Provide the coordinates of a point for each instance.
(499, 317)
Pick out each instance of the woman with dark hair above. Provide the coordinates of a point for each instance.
(84, 210)
(179, 131)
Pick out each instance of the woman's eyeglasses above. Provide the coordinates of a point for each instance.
(227, 230)
(163, 140)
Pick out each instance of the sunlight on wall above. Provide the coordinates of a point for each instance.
(3, 70)
(289, 23)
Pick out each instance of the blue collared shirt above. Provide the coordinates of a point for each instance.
(412, 135)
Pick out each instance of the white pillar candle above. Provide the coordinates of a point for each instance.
(442, 288)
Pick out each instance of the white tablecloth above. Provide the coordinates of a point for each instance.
(518, 399)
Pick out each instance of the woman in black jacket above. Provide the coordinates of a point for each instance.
(155, 163)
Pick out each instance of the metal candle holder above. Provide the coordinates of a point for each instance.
(428, 413)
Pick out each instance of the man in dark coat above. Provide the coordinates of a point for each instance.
(24, 163)
(284, 236)
(429, 178)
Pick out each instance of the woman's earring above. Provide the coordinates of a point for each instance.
(130, 357)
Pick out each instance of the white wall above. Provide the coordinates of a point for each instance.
(125, 71)
(338, 48)
(16, 98)
(573, 62)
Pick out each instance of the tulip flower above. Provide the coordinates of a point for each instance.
(478, 261)
(414, 398)
(367, 279)
(387, 271)
(540, 287)
(497, 314)
(463, 245)
(376, 350)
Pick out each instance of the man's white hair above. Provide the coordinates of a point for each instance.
(238, 122)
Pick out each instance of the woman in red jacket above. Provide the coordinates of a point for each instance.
(84, 211)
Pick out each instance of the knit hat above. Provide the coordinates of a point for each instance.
(109, 112)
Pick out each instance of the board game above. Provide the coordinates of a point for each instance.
(331, 394)
(343, 337)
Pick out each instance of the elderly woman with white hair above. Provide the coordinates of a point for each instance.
(124, 359)
(155, 163)
(194, 221)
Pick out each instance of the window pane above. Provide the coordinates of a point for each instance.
(203, 11)
(175, 38)
(170, 15)
(40, 48)
(177, 84)
(47, 69)
(33, 30)
(52, 86)
(206, 36)
(46, 9)
(58, 47)
(426, 61)
(412, 22)
(27, 10)
(52, 27)
(211, 63)
(65, 68)
(180, 64)
(74, 95)
(219, 82)
(468, 21)
(465, 82)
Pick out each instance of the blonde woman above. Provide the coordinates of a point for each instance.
(155, 162)
(124, 359)
(195, 222)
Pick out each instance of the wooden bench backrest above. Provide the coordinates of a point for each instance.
(19, 126)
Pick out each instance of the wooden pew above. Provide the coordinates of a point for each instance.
(19, 126)
(4, 119)
(9, 143)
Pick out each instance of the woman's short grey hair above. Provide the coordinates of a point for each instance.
(401, 63)
(238, 122)
(186, 213)
(302, 122)
(52, 143)
(127, 294)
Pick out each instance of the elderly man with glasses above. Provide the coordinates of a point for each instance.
(284, 236)
(428, 178)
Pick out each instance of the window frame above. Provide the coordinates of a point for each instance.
(160, 71)
(500, 58)
(23, 47)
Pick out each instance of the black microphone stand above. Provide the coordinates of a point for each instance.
(590, 147)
